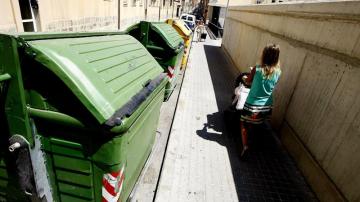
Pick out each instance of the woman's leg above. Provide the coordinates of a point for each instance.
(243, 134)
(244, 137)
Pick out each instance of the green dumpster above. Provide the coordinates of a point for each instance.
(164, 44)
(78, 115)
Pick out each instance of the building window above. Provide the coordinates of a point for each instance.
(28, 9)
(134, 3)
(178, 11)
(153, 3)
(141, 3)
(125, 3)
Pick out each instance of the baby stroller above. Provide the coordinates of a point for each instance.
(203, 36)
(233, 112)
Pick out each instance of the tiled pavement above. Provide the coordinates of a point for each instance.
(202, 164)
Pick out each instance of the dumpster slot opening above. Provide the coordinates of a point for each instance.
(38, 80)
(157, 42)
(130, 107)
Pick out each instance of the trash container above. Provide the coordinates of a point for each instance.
(80, 111)
(164, 44)
(186, 34)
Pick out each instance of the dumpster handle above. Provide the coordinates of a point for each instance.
(55, 117)
(155, 47)
(4, 77)
(116, 122)
(130, 107)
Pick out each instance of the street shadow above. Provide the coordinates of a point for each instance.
(268, 172)
(213, 129)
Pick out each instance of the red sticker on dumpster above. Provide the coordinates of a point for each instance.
(170, 71)
(112, 185)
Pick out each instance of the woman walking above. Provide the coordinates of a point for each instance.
(258, 105)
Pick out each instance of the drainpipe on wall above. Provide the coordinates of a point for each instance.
(160, 9)
(146, 8)
(119, 1)
(227, 7)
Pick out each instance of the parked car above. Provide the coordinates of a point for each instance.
(189, 20)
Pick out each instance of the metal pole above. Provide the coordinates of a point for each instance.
(160, 9)
(172, 10)
(146, 8)
(119, 14)
(227, 7)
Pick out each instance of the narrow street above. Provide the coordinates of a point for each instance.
(117, 100)
(201, 161)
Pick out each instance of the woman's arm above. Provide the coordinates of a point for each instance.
(250, 78)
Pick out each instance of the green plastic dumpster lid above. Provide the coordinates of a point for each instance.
(173, 38)
(104, 72)
(166, 31)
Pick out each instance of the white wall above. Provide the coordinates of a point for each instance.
(85, 15)
(317, 101)
(10, 18)
(79, 15)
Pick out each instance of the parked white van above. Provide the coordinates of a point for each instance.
(189, 20)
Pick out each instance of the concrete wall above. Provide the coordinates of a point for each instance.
(85, 15)
(131, 14)
(10, 20)
(317, 100)
(166, 11)
(231, 2)
(79, 15)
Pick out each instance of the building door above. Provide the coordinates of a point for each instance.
(29, 11)
(178, 11)
(215, 15)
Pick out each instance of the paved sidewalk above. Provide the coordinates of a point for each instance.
(201, 162)
(148, 179)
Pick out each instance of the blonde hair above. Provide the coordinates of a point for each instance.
(270, 59)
